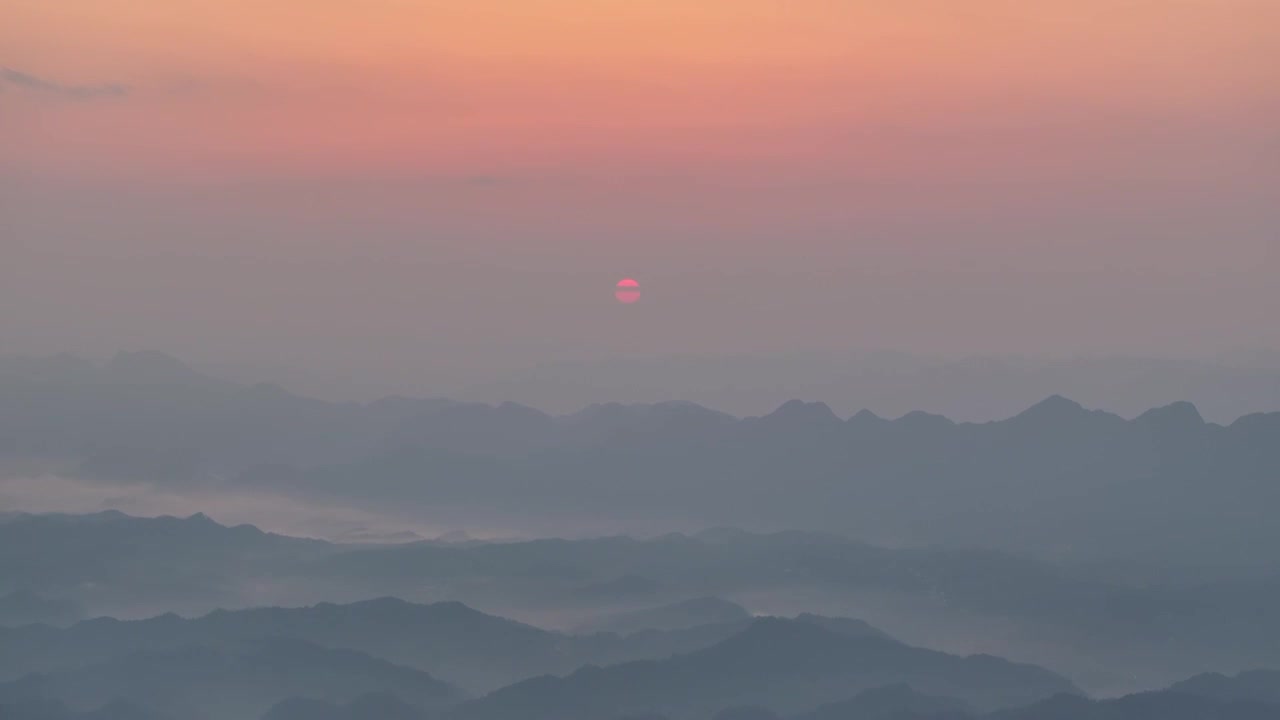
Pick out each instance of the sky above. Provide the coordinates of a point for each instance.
(425, 195)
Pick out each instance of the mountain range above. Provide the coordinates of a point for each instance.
(1056, 480)
(228, 683)
(1067, 617)
(481, 652)
(241, 664)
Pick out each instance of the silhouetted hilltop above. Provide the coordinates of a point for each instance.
(843, 626)
(1255, 685)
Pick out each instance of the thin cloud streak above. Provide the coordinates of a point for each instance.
(33, 83)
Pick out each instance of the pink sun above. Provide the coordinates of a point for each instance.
(627, 291)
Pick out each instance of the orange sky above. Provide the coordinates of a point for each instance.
(283, 87)
(930, 175)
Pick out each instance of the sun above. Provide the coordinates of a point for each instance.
(627, 291)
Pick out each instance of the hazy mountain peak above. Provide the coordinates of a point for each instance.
(1261, 422)
(1052, 407)
(921, 420)
(851, 627)
(865, 417)
(1255, 685)
(799, 411)
(386, 602)
(1176, 416)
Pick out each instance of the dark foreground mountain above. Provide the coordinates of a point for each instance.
(109, 561)
(230, 684)
(448, 640)
(1114, 635)
(243, 670)
(785, 665)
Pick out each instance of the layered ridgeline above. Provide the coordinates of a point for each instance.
(237, 664)
(478, 651)
(1057, 480)
(776, 663)
(221, 681)
(258, 663)
(1108, 636)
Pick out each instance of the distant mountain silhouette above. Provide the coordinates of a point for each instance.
(891, 384)
(1124, 552)
(1029, 483)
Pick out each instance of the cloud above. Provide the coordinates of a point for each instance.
(26, 81)
(290, 515)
